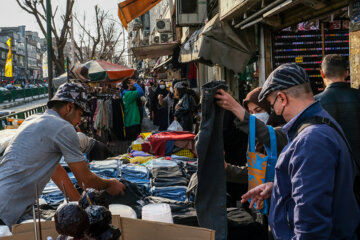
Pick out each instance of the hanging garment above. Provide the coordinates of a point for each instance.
(118, 119)
(210, 200)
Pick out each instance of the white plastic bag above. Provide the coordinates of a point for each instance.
(175, 126)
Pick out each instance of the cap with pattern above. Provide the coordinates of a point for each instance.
(71, 92)
(180, 85)
(285, 76)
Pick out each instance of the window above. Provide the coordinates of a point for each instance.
(188, 6)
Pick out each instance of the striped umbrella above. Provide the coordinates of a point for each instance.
(102, 70)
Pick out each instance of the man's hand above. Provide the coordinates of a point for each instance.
(116, 188)
(258, 194)
(177, 107)
(160, 97)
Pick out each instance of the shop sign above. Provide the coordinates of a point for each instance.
(299, 59)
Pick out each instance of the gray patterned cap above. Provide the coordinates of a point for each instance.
(71, 92)
(180, 85)
(283, 77)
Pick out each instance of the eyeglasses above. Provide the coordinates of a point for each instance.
(272, 105)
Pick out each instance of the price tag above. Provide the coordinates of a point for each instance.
(299, 59)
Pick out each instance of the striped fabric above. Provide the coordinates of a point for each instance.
(284, 77)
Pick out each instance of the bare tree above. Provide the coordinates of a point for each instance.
(98, 44)
(38, 9)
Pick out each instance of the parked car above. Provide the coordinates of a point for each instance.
(2, 89)
(10, 86)
(6, 112)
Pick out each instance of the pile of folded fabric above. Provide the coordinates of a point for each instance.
(52, 195)
(168, 179)
(135, 174)
(177, 193)
(105, 169)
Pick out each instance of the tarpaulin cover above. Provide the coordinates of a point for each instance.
(155, 50)
(218, 43)
(162, 143)
(130, 9)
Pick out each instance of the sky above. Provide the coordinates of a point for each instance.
(12, 15)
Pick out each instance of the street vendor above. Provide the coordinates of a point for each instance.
(33, 156)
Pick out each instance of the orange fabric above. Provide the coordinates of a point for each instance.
(130, 9)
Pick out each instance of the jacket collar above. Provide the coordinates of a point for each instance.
(338, 84)
(290, 128)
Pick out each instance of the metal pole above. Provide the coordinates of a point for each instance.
(72, 38)
(26, 59)
(49, 47)
(262, 56)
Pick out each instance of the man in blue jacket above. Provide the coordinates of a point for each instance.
(312, 194)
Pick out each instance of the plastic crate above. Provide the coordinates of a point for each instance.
(185, 153)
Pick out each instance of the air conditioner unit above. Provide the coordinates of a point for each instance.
(163, 25)
(156, 39)
(190, 12)
(165, 37)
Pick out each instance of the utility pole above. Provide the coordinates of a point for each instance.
(72, 37)
(26, 59)
(49, 47)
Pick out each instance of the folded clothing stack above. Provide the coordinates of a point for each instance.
(53, 195)
(168, 176)
(105, 169)
(177, 193)
(136, 174)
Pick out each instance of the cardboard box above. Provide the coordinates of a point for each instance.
(131, 229)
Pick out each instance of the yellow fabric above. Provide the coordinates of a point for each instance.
(185, 153)
(137, 147)
(145, 135)
(131, 9)
(8, 64)
(141, 160)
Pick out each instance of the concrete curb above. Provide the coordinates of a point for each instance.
(20, 102)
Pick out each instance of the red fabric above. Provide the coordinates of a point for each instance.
(192, 71)
(158, 140)
(146, 147)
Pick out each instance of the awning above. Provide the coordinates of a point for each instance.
(130, 9)
(162, 62)
(154, 51)
(218, 43)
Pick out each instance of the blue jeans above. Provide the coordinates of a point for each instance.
(210, 200)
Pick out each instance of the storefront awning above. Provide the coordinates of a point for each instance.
(131, 9)
(218, 43)
(162, 62)
(154, 51)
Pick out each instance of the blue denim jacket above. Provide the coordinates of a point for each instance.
(313, 194)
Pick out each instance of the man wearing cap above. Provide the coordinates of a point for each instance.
(312, 194)
(33, 156)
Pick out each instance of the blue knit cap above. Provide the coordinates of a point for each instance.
(283, 77)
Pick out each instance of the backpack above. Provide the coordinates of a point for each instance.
(322, 120)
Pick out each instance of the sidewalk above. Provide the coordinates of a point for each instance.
(17, 102)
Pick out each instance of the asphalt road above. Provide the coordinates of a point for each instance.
(30, 105)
